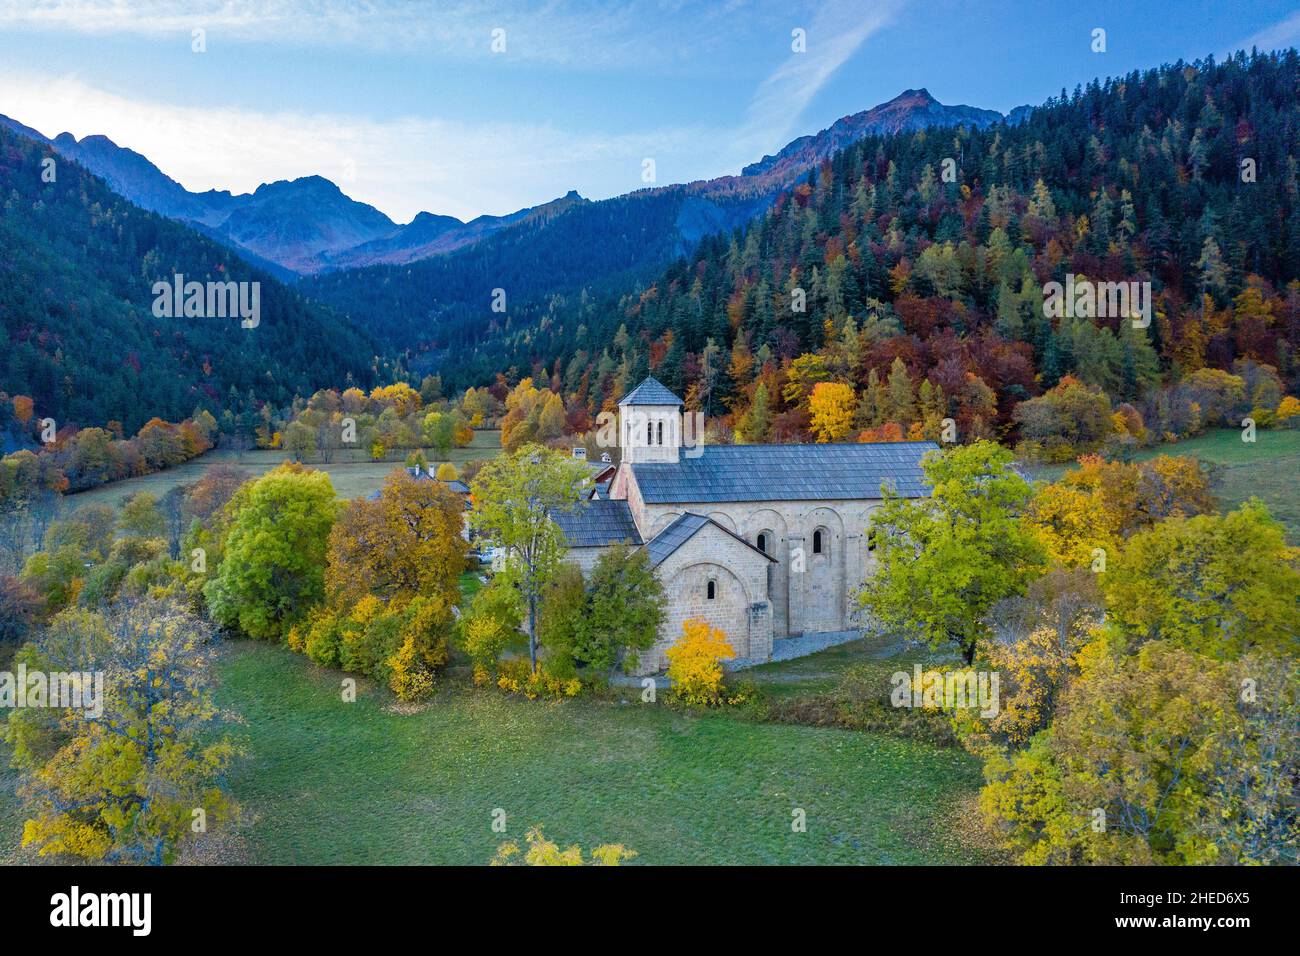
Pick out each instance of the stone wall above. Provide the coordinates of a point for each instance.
(818, 598)
(739, 607)
(584, 558)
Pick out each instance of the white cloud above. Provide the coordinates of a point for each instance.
(401, 166)
(406, 165)
(1278, 36)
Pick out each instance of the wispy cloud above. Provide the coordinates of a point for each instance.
(1284, 33)
(837, 31)
(592, 34)
(407, 164)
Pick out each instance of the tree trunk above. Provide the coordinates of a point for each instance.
(532, 630)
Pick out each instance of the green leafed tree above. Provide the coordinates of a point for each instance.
(273, 566)
(514, 497)
(623, 612)
(947, 559)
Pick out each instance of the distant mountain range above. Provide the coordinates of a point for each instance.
(309, 225)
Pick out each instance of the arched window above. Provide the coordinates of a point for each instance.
(817, 541)
(712, 590)
(762, 543)
(649, 433)
(661, 433)
(871, 539)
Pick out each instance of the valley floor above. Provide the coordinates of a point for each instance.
(328, 782)
(353, 473)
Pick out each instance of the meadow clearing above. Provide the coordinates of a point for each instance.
(1268, 468)
(328, 782)
(352, 471)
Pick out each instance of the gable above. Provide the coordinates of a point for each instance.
(685, 529)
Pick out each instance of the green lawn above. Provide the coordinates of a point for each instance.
(351, 471)
(1267, 469)
(331, 782)
(876, 658)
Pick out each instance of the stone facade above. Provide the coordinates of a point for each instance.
(584, 558)
(739, 603)
(780, 554)
(835, 563)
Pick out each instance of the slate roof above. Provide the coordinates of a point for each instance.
(682, 530)
(650, 392)
(455, 485)
(786, 473)
(595, 524)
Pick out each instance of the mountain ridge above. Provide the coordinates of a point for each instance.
(308, 225)
(910, 110)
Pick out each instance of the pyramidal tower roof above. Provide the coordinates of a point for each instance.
(650, 392)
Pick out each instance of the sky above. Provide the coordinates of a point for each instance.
(468, 108)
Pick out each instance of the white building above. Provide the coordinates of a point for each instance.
(763, 541)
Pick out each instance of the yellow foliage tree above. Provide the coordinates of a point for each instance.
(1102, 502)
(1288, 411)
(695, 662)
(407, 542)
(831, 406)
(400, 397)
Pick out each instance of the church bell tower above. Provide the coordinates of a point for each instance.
(650, 424)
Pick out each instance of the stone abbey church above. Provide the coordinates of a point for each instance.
(763, 541)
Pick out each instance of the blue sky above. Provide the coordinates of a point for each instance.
(407, 106)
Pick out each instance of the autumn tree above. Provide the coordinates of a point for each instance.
(832, 405)
(1216, 584)
(946, 559)
(1101, 503)
(206, 497)
(20, 611)
(695, 662)
(405, 543)
(514, 497)
(1036, 650)
(1071, 419)
(90, 529)
(492, 621)
(141, 517)
(1156, 757)
(133, 776)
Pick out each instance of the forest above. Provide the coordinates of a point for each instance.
(932, 250)
(77, 332)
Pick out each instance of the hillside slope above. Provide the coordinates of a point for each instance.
(77, 329)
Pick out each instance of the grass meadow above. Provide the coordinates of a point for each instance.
(352, 472)
(1268, 468)
(329, 782)
(374, 782)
